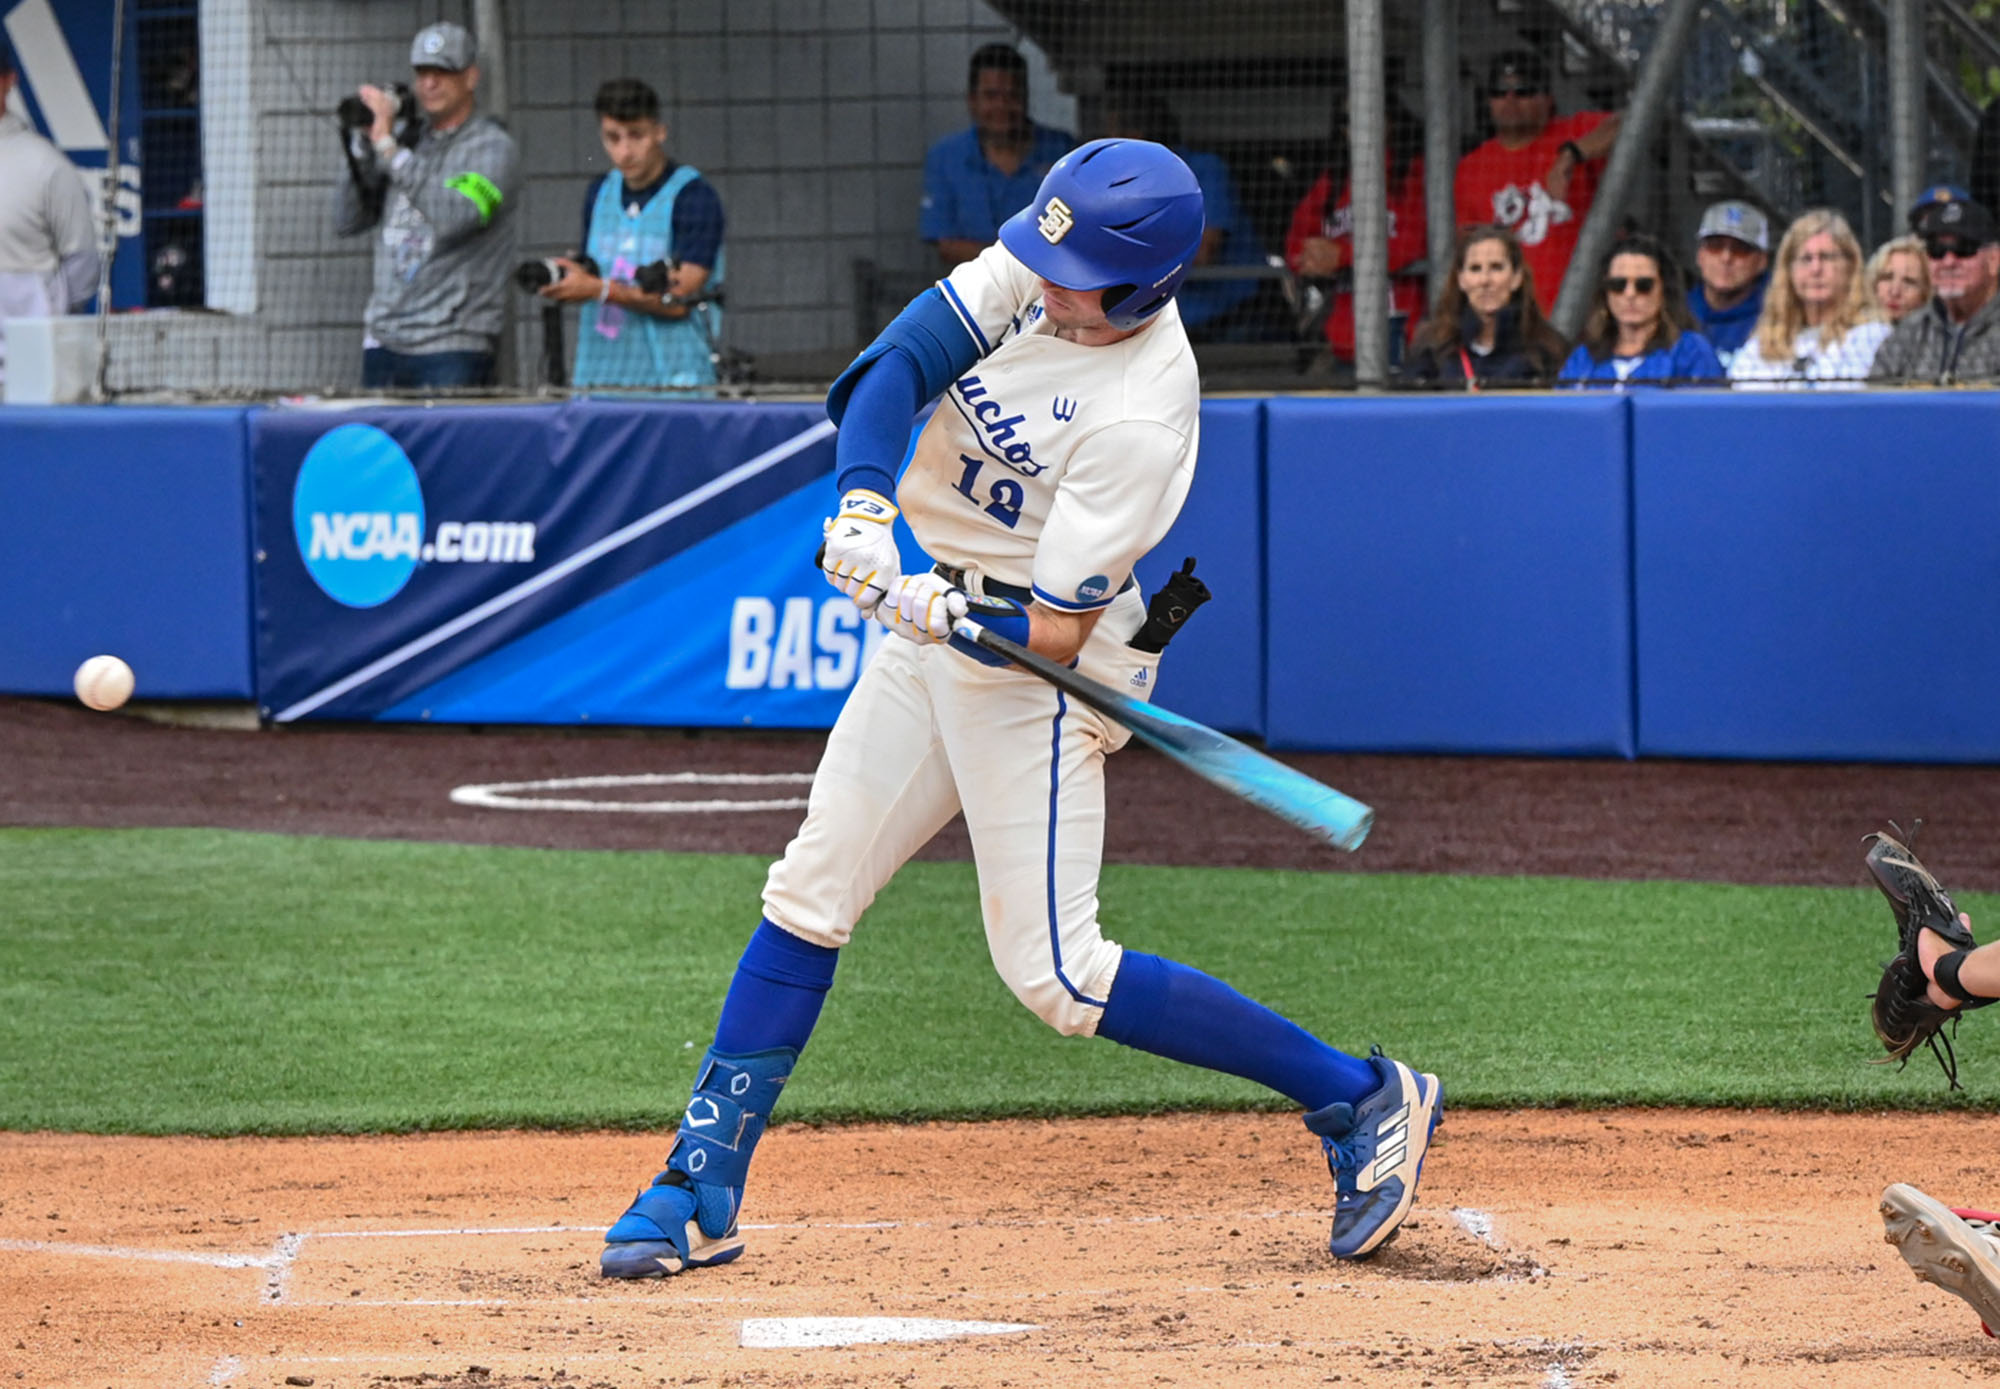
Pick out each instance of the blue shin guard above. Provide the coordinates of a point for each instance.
(687, 1217)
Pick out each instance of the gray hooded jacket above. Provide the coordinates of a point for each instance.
(446, 248)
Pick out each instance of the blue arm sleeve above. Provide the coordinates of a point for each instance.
(924, 349)
(876, 429)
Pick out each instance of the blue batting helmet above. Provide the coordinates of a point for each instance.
(1123, 216)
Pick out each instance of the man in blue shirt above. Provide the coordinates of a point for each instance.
(1228, 237)
(978, 178)
(1733, 259)
(645, 209)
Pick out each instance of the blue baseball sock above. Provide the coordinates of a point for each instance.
(1172, 1010)
(775, 997)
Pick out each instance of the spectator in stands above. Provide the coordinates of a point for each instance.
(1817, 330)
(978, 178)
(1899, 278)
(1956, 337)
(442, 190)
(1538, 175)
(1641, 329)
(1732, 255)
(1320, 245)
(1487, 329)
(1211, 310)
(644, 210)
(48, 247)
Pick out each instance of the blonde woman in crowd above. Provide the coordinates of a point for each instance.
(1899, 277)
(1817, 329)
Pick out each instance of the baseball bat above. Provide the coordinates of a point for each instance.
(1215, 757)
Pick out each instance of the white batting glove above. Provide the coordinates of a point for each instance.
(922, 607)
(860, 558)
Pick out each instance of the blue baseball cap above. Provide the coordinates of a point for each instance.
(6, 55)
(1939, 193)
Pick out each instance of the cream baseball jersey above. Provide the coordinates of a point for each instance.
(1051, 464)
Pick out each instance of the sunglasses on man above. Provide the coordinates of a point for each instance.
(1517, 91)
(1938, 247)
(1640, 284)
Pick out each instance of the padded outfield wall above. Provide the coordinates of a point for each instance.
(1687, 574)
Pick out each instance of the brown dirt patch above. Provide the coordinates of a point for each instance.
(1635, 1248)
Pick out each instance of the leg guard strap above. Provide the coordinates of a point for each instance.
(732, 1101)
(687, 1217)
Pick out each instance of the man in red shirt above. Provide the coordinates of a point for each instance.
(1320, 244)
(1538, 174)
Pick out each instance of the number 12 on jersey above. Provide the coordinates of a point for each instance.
(1003, 495)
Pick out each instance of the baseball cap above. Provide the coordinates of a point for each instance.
(1939, 193)
(1960, 217)
(1518, 67)
(1735, 219)
(6, 55)
(444, 45)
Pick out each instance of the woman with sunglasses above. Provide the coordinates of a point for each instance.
(1898, 278)
(1487, 329)
(1816, 330)
(1640, 330)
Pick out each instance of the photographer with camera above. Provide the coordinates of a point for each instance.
(645, 211)
(440, 183)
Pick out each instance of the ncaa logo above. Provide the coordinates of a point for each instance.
(358, 515)
(1055, 222)
(1092, 588)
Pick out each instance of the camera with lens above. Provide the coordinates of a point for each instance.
(354, 114)
(532, 275)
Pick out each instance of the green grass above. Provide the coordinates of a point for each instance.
(204, 981)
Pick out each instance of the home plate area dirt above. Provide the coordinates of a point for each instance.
(1550, 1248)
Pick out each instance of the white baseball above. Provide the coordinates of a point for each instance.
(104, 682)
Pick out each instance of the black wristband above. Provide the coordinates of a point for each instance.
(1572, 149)
(1945, 972)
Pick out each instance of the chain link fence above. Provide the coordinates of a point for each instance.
(813, 120)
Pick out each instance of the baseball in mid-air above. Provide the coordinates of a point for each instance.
(104, 682)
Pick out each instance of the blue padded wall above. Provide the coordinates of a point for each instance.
(128, 532)
(1214, 670)
(1818, 576)
(1449, 575)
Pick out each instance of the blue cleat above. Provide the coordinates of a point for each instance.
(661, 1232)
(1375, 1151)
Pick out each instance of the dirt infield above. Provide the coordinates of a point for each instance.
(1549, 1249)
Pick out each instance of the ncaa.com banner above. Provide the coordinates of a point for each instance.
(588, 562)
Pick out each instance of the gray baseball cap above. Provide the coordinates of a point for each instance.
(446, 46)
(1738, 220)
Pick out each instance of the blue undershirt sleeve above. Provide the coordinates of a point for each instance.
(923, 350)
(875, 425)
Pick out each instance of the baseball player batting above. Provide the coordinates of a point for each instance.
(1060, 454)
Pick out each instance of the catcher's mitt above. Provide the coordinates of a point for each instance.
(1903, 1014)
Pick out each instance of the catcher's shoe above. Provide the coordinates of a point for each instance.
(1375, 1151)
(1943, 1248)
